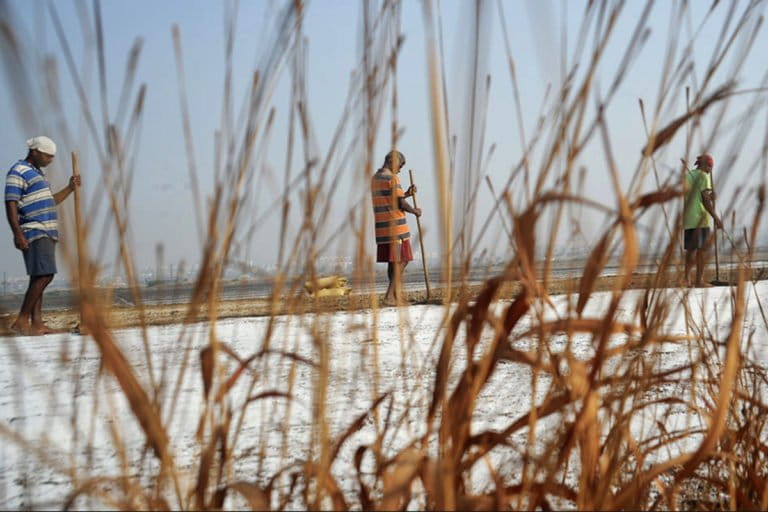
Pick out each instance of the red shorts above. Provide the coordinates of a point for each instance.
(386, 253)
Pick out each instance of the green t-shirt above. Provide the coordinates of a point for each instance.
(696, 216)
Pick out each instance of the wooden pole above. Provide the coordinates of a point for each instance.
(80, 237)
(717, 259)
(421, 241)
(717, 281)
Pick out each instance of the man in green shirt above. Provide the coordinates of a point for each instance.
(697, 217)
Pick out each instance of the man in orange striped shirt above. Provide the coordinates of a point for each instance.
(393, 240)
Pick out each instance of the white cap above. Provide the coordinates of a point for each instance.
(42, 144)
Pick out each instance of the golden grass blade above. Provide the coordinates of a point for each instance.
(424, 451)
(440, 143)
(726, 389)
(597, 259)
(232, 380)
(269, 394)
(575, 325)
(204, 471)
(115, 362)
(363, 494)
(397, 477)
(354, 427)
(134, 496)
(98, 140)
(258, 498)
(206, 369)
(652, 198)
(441, 371)
(665, 135)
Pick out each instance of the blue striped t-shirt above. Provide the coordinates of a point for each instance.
(26, 184)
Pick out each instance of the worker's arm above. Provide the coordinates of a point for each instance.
(708, 199)
(12, 213)
(74, 181)
(403, 204)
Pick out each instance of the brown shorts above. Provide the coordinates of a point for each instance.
(386, 253)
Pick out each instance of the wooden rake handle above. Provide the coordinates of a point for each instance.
(80, 236)
(421, 240)
(78, 216)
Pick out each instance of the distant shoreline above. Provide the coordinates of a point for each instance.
(65, 319)
(180, 291)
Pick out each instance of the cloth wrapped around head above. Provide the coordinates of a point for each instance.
(42, 144)
(705, 159)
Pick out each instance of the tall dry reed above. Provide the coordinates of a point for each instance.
(576, 445)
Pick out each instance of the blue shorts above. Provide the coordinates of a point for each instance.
(40, 258)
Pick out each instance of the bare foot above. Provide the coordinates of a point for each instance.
(22, 327)
(41, 329)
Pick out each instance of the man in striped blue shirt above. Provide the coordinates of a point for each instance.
(31, 210)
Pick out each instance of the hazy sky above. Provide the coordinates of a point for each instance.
(161, 201)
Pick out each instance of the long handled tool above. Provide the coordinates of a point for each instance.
(717, 281)
(421, 240)
(80, 242)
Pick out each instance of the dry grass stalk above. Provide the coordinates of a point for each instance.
(579, 441)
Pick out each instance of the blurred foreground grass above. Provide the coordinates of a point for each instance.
(575, 444)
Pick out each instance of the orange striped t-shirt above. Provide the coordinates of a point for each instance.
(386, 192)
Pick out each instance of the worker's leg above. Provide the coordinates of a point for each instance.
(690, 255)
(32, 300)
(700, 262)
(38, 327)
(40, 262)
(389, 297)
(702, 256)
(399, 270)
